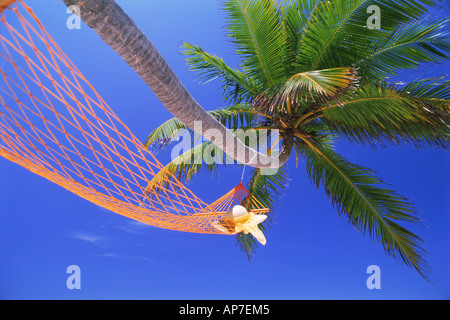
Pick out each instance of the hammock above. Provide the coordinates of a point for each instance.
(54, 123)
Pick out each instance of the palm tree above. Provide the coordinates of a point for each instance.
(312, 70)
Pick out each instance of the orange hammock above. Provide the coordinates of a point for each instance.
(54, 123)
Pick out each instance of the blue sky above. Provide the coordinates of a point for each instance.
(311, 252)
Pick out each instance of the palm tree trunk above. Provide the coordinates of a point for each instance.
(120, 32)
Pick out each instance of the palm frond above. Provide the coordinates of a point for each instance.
(363, 199)
(165, 134)
(340, 26)
(236, 86)
(255, 29)
(232, 116)
(296, 16)
(437, 88)
(313, 86)
(411, 45)
(237, 116)
(383, 114)
(267, 188)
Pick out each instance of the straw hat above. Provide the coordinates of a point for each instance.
(238, 219)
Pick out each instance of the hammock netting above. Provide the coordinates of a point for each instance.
(54, 123)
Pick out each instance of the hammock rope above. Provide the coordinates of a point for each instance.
(55, 124)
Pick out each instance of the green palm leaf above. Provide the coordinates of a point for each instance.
(379, 115)
(237, 87)
(362, 198)
(318, 85)
(296, 16)
(415, 43)
(255, 29)
(232, 116)
(430, 89)
(340, 27)
(165, 134)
